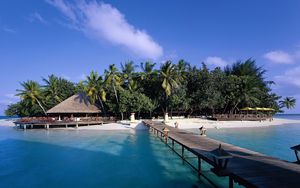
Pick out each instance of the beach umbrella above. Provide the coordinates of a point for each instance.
(247, 108)
(259, 109)
(269, 109)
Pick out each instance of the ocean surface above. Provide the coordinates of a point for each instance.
(72, 158)
(274, 140)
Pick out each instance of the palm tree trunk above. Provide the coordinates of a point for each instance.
(102, 106)
(41, 107)
(116, 95)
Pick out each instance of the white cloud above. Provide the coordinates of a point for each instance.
(64, 7)
(82, 77)
(216, 61)
(8, 29)
(66, 77)
(12, 96)
(36, 17)
(103, 21)
(280, 57)
(6, 102)
(290, 77)
(9, 99)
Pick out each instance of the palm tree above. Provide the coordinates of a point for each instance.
(170, 78)
(129, 74)
(182, 68)
(128, 69)
(94, 88)
(148, 69)
(288, 102)
(113, 78)
(32, 92)
(52, 88)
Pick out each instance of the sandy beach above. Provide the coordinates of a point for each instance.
(198, 122)
(182, 124)
(6, 122)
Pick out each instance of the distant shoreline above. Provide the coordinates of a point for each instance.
(197, 123)
(191, 123)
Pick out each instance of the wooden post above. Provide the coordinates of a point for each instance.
(199, 166)
(230, 182)
(297, 157)
(172, 144)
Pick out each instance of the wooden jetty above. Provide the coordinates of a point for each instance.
(56, 124)
(245, 167)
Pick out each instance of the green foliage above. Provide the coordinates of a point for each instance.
(13, 110)
(288, 102)
(56, 90)
(179, 88)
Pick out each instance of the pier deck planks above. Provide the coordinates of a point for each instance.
(250, 168)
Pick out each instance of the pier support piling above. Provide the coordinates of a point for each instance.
(199, 166)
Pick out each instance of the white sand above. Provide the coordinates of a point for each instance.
(6, 122)
(109, 126)
(182, 124)
(197, 123)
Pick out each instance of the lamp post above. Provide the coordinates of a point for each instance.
(132, 118)
(166, 117)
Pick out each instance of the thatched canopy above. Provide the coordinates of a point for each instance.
(76, 104)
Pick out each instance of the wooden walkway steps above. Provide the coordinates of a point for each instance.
(246, 167)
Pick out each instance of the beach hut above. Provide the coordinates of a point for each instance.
(78, 105)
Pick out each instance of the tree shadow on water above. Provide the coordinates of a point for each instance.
(35, 164)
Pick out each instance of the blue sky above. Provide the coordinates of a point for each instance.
(71, 38)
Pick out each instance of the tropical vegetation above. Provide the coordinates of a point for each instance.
(174, 88)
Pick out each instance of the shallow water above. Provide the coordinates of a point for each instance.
(273, 140)
(70, 158)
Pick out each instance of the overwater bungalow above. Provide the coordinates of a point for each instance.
(75, 111)
(75, 107)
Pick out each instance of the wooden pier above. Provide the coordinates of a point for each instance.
(245, 167)
(57, 124)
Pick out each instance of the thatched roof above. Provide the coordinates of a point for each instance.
(78, 103)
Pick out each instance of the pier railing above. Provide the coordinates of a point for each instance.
(247, 168)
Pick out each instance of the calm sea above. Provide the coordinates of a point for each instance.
(70, 158)
(274, 140)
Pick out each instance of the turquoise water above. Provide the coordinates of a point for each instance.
(274, 140)
(70, 158)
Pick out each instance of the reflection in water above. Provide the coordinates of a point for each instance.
(70, 158)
